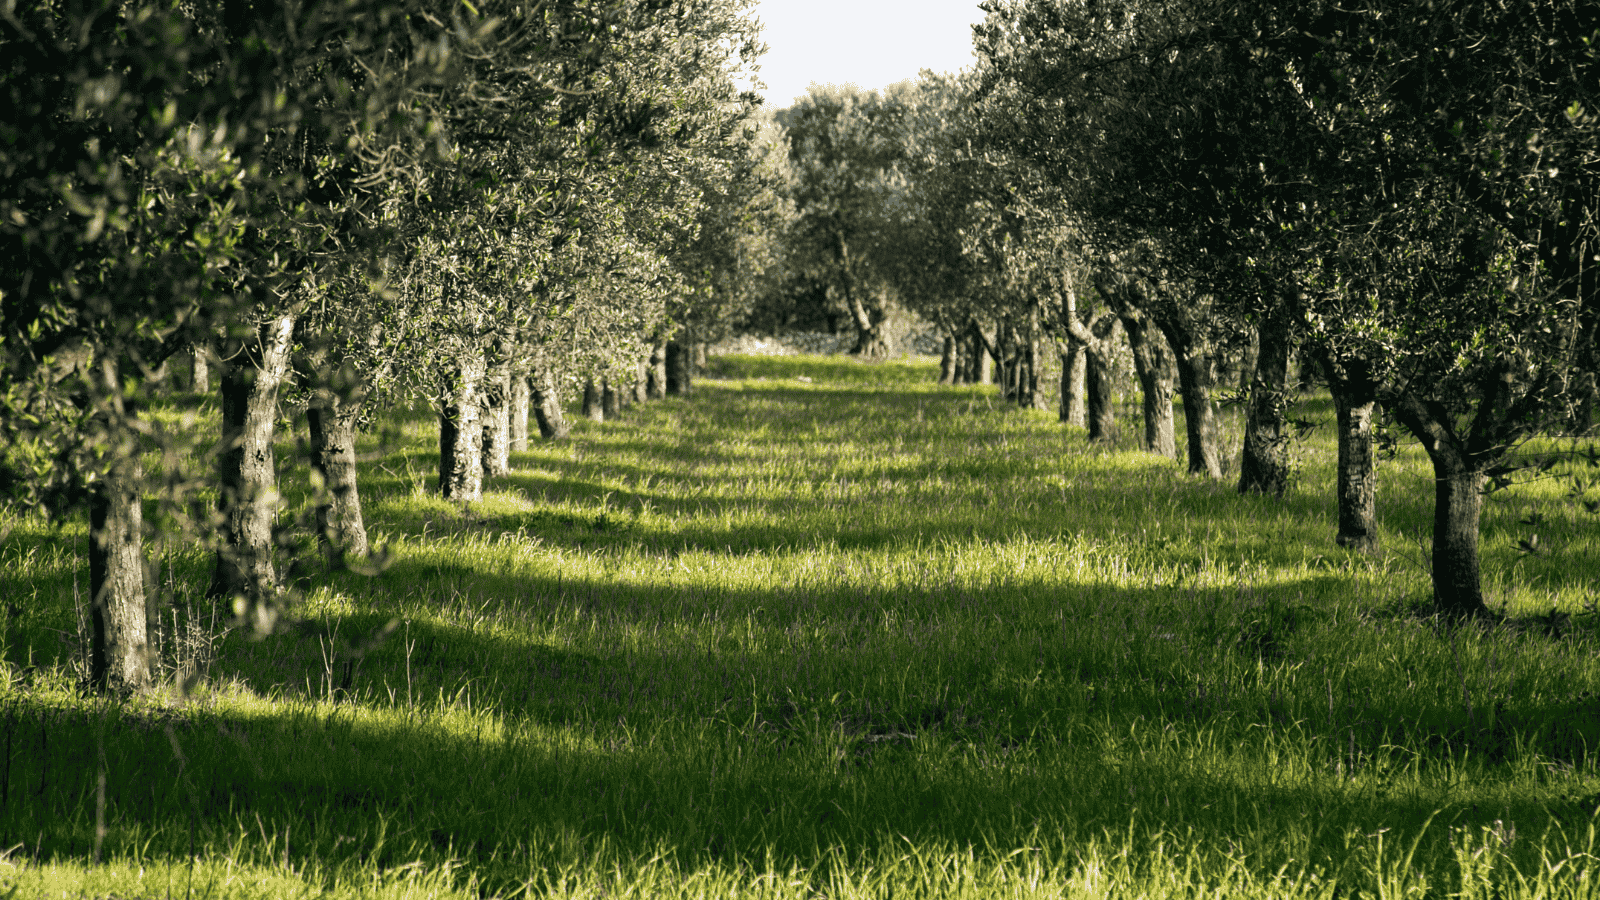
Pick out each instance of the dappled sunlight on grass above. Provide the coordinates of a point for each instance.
(847, 636)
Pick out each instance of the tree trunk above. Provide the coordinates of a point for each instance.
(983, 372)
(1029, 396)
(656, 374)
(332, 422)
(1097, 340)
(1196, 378)
(872, 338)
(118, 651)
(593, 410)
(947, 361)
(1457, 506)
(1005, 361)
(679, 382)
(497, 422)
(547, 406)
(610, 401)
(1264, 465)
(1358, 482)
(641, 382)
(1074, 384)
(199, 371)
(247, 480)
(461, 431)
(1102, 399)
(1152, 362)
(519, 398)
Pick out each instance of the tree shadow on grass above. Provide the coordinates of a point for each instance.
(498, 727)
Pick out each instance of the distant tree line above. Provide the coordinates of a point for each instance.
(1398, 195)
(487, 205)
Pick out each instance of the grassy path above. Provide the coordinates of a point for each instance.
(854, 635)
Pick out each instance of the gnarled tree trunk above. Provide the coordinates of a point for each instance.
(1029, 396)
(1152, 362)
(1457, 504)
(119, 647)
(332, 421)
(982, 359)
(656, 373)
(200, 371)
(547, 405)
(1196, 378)
(497, 414)
(1457, 508)
(593, 410)
(1074, 384)
(641, 381)
(1264, 465)
(1354, 399)
(520, 398)
(1096, 340)
(247, 476)
(1102, 406)
(461, 430)
(679, 380)
(947, 360)
(872, 335)
(610, 399)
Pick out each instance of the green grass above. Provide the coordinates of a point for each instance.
(856, 635)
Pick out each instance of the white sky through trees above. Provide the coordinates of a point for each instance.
(870, 43)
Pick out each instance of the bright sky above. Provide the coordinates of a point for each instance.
(871, 43)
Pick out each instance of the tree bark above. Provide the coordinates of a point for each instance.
(332, 422)
(1152, 362)
(872, 338)
(679, 381)
(1196, 378)
(641, 382)
(610, 400)
(1096, 340)
(547, 406)
(461, 430)
(520, 399)
(656, 374)
(119, 649)
(1264, 465)
(1357, 474)
(1102, 400)
(947, 361)
(199, 371)
(1457, 506)
(1355, 395)
(593, 410)
(982, 357)
(1005, 361)
(496, 403)
(247, 479)
(1029, 396)
(1074, 384)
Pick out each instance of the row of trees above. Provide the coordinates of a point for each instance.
(1400, 192)
(346, 203)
